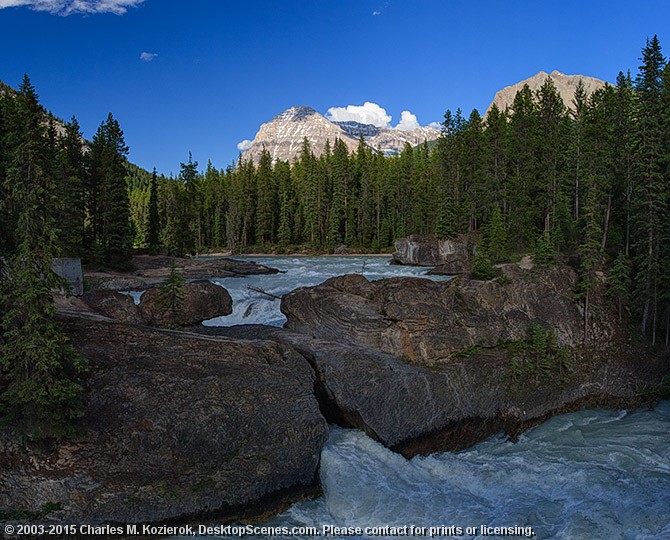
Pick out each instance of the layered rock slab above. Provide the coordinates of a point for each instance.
(427, 322)
(177, 426)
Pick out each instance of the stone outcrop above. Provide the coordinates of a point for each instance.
(113, 304)
(202, 300)
(451, 256)
(423, 366)
(177, 427)
(427, 322)
(414, 410)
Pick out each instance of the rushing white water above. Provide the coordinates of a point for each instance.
(251, 307)
(588, 475)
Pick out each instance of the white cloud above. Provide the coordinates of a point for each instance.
(69, 7)
(147, 56)
(368, 113)
(244, 145)
(408, 122)
(376, 13)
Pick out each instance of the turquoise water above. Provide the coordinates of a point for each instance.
(586, 475)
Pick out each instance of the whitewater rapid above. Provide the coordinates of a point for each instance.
(252, 307)
(594, 474)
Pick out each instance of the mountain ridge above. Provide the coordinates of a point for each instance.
(282, 136)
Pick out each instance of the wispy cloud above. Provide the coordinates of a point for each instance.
(147, 56)
(244, 145)
(376, 13)
(70, 7)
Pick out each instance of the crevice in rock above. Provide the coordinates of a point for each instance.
(328, 405)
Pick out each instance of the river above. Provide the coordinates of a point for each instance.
(587, 475)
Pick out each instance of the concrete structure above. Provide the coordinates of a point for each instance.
(70, 270)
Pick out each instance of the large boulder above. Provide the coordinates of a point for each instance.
(202, 300)
(428, 322)
(452, 256)
(176, 426)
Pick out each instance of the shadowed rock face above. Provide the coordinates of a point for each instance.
(177, 426)
(414, 410)
(427, 322)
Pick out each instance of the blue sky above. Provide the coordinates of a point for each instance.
(222, 68)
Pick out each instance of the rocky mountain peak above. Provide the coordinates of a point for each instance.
(295, 114)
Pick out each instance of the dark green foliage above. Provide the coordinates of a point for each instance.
(619, 281)
(172, 293)
(153, 219)
(109, 231)
(650, 197)
(496, 237)
(539, 360)
(481, 264)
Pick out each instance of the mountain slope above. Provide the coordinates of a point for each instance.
(565, 84)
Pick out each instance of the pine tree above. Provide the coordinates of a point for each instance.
(650, 195)
(497, 237)
(107, 196)
(266, 200)
(525, 215)
(153, 218)
(619, 281)
(188, 174)
(70, 172)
